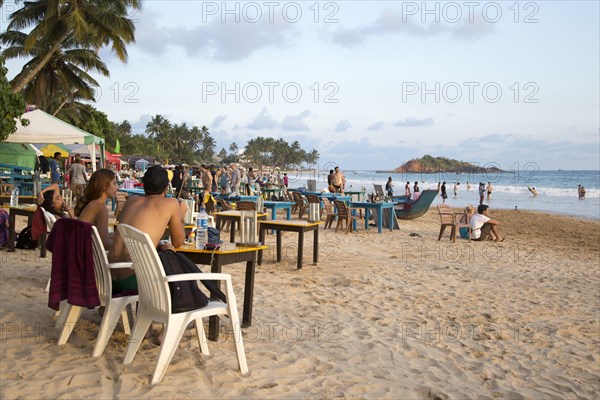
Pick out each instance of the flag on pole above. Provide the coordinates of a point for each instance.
(117, 147)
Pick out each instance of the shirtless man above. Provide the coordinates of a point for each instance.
(152, 214)
(339, 181)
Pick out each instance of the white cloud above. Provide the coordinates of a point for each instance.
(229, 41)
(217, 121)
(262, 121)
(295, 123)
(376, 126)
(411, 122)
(342, 126)
(395, 22)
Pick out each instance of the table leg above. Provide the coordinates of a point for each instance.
(392, 215)
(367, 216)
(232, 231)
(11, 232)
(261, 238)
(274, 214)
(278, 245)
(300, 248)
(316, 246)
(289, 212)
(249, 292)
(213, 322)
(380, 220)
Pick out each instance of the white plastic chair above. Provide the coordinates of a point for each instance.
(115, 307)
(155, 304)
(50, 220)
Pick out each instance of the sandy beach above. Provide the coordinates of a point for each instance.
(381, 316)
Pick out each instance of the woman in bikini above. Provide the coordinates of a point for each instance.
(92, 208)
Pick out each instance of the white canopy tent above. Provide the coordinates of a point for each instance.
(44, 128)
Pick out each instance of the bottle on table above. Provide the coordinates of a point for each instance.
(201, 229)
(14, 197)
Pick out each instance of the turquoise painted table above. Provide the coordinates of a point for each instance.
(378, 207)
(279, 205)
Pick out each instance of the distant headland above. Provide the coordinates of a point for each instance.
(428, 164)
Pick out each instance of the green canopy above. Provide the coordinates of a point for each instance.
(17, 154)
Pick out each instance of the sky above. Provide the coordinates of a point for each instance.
(370, 84)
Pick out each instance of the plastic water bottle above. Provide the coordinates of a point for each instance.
(201, 229)
(14, 197)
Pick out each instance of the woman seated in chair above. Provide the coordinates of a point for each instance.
(92, 207)
(52, 202)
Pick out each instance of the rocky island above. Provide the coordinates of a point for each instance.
(429, 164)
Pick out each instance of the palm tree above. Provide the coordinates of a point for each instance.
(157, 127)
(196, 136)
(208, 147)
(92, 23)
(233, 148)
(65, 79)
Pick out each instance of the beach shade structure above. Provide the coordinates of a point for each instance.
(18, 154)
(44, 128)
(155, 304)
(113, 159)
(142, 164)
(51, 148)
(415, 209)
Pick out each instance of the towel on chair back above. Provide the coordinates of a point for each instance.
(72, 275)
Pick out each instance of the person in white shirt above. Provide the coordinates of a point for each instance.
(78, 178)
(483, 227)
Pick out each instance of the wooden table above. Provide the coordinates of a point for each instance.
(356, 195)
(279, 205)
(216, 259)
(22, 199)
(291, 226)
(377, 207)
(232, 216)
(25, 211)
(267, 193)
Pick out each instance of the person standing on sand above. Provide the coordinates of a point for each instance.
(285, 180)
(407, 190)
(489, 190)
(444, 194)
(235, 178)
(481, 192)
(339, 181)
(78, 178)
(55, 172)
(330, 182)
(389, 187)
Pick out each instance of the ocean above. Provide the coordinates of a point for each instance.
(557, 190)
